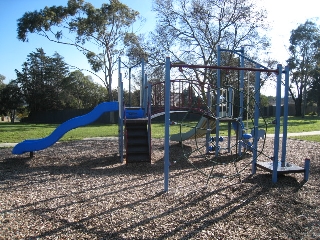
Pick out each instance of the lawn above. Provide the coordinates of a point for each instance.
(17, 132)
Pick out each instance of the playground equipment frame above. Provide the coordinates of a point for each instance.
(271, 167)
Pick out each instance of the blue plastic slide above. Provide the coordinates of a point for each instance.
(42, 143)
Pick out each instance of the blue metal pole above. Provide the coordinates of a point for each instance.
(130, 87)
(121, 111)
(256, 120)
(208, 123)
(142, 84)
(241, 97)
(167, 125)
(241, 83)
(148, 90)
(145, 94)
(277, 126)
(230, 102)
(149, 98)
(218, 101)
(230, 115)
(285, 116)
(306, 169)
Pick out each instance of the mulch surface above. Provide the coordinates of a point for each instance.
(80, 190)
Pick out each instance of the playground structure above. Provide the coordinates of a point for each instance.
(275, 166)
(217, 108)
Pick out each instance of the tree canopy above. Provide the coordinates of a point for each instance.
(97, 32)
(11, 99)
(190, 30)
(304, 57)
(79, 91)
(40, 80)
(2, 78)
(46, 84)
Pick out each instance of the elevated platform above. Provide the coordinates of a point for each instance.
(288, 168)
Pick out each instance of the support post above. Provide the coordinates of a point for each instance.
(285, 117)
(306, 169)
(230, 102)
(218, 101)
(145, 94)
(256, 120)
(230, 115)
(208, 123)
(142, 83)
(277, 126)
(121, 111)
(167, 125)
(130, 86)
(241, 99)
(241, 83)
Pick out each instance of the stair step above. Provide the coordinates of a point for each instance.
(137, 148)
(134, 157)
(135, 136)
(137, 141)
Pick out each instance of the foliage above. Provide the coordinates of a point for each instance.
(304, 55)
(135, 50)
(135, 97)
(46, 84)
(41, 80)
(97, 32)
(79, 91)
(190, 30)
(314, 92)
(2, 78)
(11, 99)
(264, 101)
(2, 85)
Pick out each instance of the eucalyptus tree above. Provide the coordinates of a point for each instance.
(190, 30)
(304, 52)
(97, 32)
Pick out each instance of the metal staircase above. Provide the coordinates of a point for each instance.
(137, 140)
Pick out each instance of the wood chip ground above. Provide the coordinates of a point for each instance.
(80, 190)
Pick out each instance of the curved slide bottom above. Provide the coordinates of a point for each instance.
(42, 143)
(199, 131)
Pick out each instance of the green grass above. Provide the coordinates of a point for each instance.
(18, 132)
(298, 124)
(313, 138)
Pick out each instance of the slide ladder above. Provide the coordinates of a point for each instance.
(137, 140)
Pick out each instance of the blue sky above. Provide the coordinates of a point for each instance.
(14, 52)
(284, 15)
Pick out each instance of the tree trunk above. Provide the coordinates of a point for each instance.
(298, 104)
(12, 115)
(318, 105)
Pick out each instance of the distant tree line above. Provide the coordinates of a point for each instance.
(45, 84)
(188, 31)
